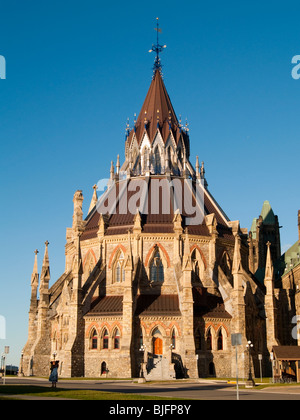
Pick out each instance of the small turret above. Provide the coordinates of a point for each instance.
(45, 276)
(34, 284)
(78, 222)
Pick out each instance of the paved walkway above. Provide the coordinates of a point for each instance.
(190, 389)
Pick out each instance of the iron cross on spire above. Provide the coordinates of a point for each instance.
(157, 48)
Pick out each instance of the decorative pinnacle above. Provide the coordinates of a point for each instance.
(36, 252)
(157, 49)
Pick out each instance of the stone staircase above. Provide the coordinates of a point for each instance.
(159, 369)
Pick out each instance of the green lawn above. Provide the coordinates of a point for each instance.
(44, 392)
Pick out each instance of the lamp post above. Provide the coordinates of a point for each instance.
(250, 382)
(141, 375)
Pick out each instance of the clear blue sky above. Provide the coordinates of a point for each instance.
(77, 70)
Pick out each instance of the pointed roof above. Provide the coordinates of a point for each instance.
(237, 258)
(45, 275)
(267, 214)
(94, 199)
(269, 273)
(157, 113)
(35, 273)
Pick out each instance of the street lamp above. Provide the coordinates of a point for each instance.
(250, 382)
(142, 350)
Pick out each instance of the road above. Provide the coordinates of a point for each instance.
(182, 390)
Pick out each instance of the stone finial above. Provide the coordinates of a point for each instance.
(112, 171)
(118, 165)
(177, 222)
(237, 258)
(197, 168)
(78, 213)
(137, 227)
(94, 198)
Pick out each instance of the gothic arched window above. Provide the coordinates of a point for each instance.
(119, 272)
(94, 340)
(157, 160)
(198, 266)
(157, 269)
(173, 339)
(208, 340)
(116, 339)
(220, 340)
(105, 338)
(169, 157)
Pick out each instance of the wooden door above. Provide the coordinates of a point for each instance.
(157, 346)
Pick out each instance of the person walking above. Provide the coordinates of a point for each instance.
(54, 373)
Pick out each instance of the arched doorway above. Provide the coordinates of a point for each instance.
(157, 346)
(103, 368)
(157, 343)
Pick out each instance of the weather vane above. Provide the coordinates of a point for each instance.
(157, 48)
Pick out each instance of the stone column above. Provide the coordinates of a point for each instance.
(187, 309)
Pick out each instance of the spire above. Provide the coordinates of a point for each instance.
(112, 171)
(128, 262)
(157, 113)
(269, 274)
(118, 165)
(237, 258)
(197, 168)
(77, 264)
(267, 214)
(94, 198)
(45, 275)
(34, 284)
(35, 274)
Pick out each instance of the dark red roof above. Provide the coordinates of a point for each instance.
(157, 305)
(287, 352)
(155, 217)
(158, 113)
(208, 305)
(108, 305)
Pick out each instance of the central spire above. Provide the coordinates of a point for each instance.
(158, 143)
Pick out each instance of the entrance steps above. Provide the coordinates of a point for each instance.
(159, 369)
